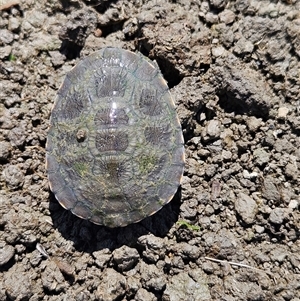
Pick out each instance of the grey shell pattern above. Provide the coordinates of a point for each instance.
(115, 150)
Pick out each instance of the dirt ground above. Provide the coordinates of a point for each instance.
(232, 231)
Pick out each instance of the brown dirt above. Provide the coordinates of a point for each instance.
(233, 69)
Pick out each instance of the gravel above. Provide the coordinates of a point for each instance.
(246, 207)
(6, 254)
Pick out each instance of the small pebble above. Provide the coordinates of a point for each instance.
(211, 18)
(226, 155)
(246, 207)
(5, 149)
(282, 112)
(212, 130)
(5, 51)
(259, 229)
(6, 37)
(291, 171)
(6, 254)
(269, 189)
(14, 24)
(277, 216)
(247, 175)
(293, 204)
(218, 51)
(261, 157)
(243, 47)
(227, 16)
(253, 123)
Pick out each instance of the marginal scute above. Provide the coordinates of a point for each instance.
(81, 210)
(111, 57)
(68, 198)
(146, 71)
(115, 152)
(56, 181)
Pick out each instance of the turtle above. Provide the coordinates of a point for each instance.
(115, 147)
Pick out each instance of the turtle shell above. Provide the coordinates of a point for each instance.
(115, 150)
